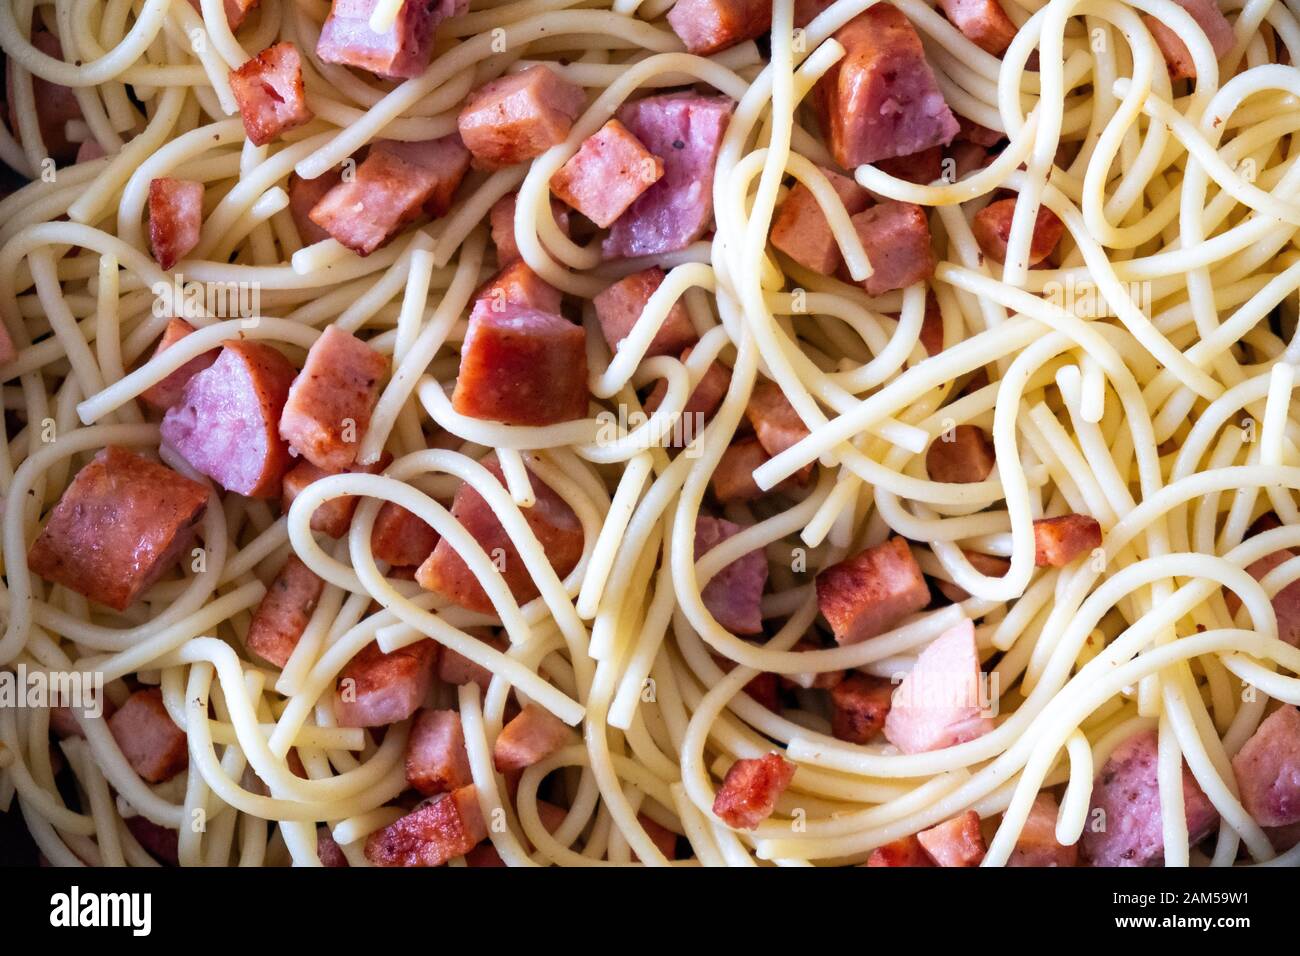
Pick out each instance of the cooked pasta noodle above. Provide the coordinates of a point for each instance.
(1142, 375)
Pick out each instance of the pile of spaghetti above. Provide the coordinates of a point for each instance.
(1140, 375)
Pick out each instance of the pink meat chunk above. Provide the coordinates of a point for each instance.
(376, 689)
(175, 218)
(283, 614)
(734, 595)
(167, 391)
(519, 116)
(939, 703)
(393, 186)
(607, 174)
(226, 424)
(896, 238)
(1126, 806)
(685, 130)
(872, 591)
(750, 790)
(436, 760)
(122, 523)
(532, 736)
(551, 519)
(401, 51)
(153, 745)
(330, 402)
(522, 366)
(620, 306)
(801, 230)
(1268, 770)
(432, 834)
(1036, 845)
(882, 100)
(270, 93)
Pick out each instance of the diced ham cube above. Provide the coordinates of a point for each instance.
(56, 105)
(519, 116)
(896, 238)
(707, 26)
(330, 853)
(269, 92)
(332, 517)
(983, 22)
(701, 403)
(986, 564)
(620, 306)
(166, 392)
(532, 736)
(304, 194)
(685, 130)
(376, 689)
(442, 165)
(456, 669)
(1286, 602)
(502, 220)
(436, 760)
(330, 403)
(776, 424)
(607, 174)
(151, 743)
(401, 51)
(162, 843)
(400, 538)
(392, 187)
(237, 11)
(432, 834)
(872, 591)
(801, 230)
(226, 424)
(881, 100)
(283, 614)
(522, 366)
(1058, 541)
(992, 229)
(1178, 58)
(733, 479)
(7, 351)
(734, 595)
(551, 519)
(1036, 845)
(1268, 770)
(1124, 826)
(516, 287)
(175, 218)
(955, 842)
(939, 703)
(750, 790)
(905, 851)
(122, 523)
(962, 456)
(859, 705)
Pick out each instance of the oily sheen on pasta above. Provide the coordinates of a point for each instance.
(724, 433)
